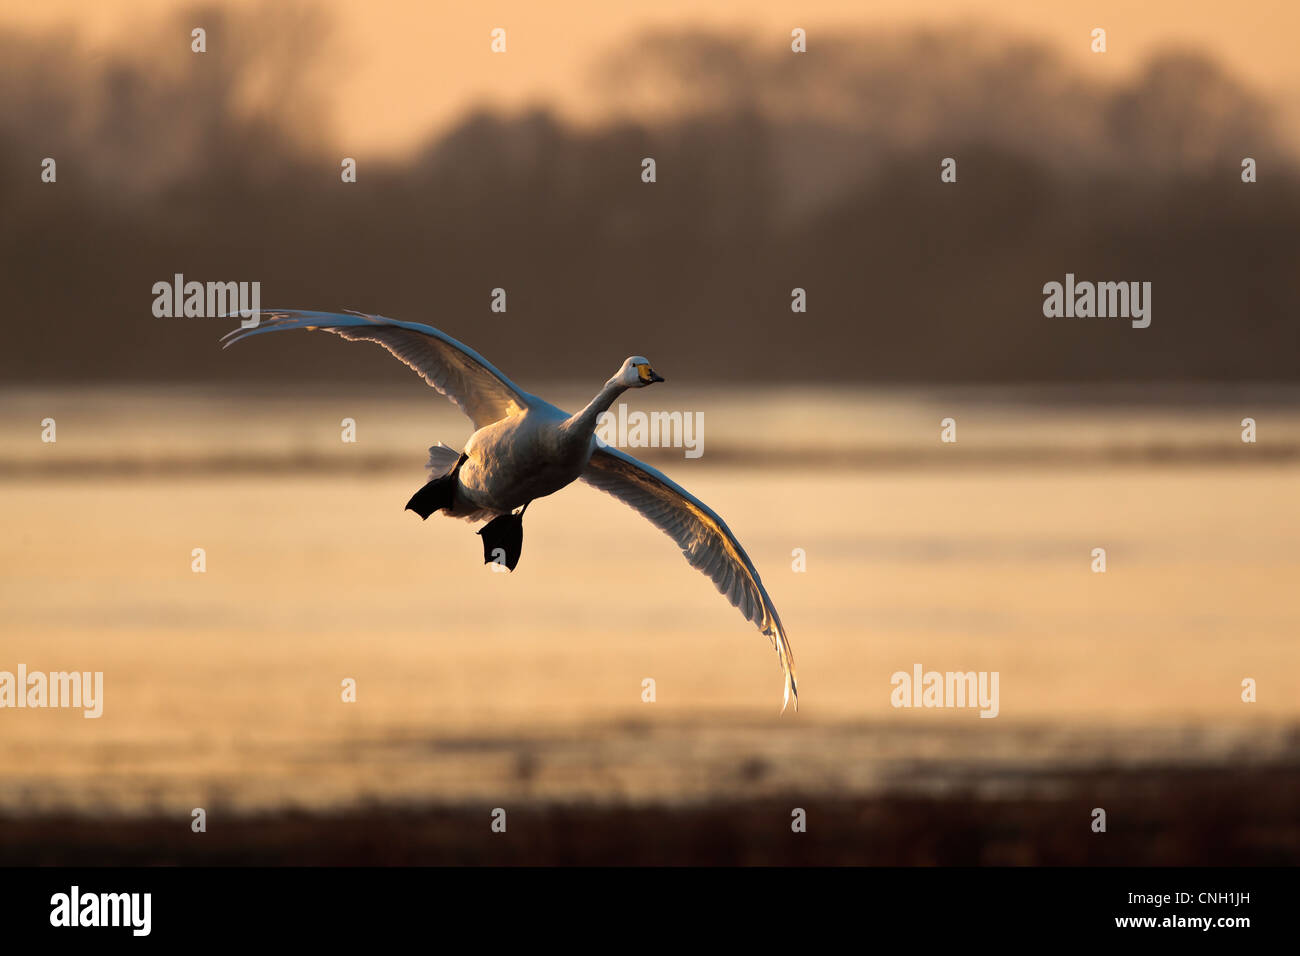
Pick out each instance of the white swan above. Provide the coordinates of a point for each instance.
(526, 448)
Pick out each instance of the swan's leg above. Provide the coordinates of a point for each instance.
(438, 494)
(503, 539)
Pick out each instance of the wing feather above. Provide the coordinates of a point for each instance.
(470, 381)
(706, 542)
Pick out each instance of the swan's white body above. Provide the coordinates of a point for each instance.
(512, 461)
(526, 448)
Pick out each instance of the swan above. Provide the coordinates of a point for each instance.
(526, 448)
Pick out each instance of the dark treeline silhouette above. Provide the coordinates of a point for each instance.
(774, 171)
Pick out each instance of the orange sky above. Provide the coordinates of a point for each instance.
(408, 66)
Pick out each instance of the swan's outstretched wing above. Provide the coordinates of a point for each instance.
(704, 538)
(455, 370)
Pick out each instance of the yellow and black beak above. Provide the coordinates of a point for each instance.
(648, 375)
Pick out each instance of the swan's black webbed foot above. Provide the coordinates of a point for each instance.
(503, 540)
(438, 494)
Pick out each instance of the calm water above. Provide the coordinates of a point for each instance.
(223, 688)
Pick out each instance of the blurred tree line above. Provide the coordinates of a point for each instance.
(774, 171)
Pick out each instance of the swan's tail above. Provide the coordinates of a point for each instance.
(442, 462)
(439, 493)
(442, 459)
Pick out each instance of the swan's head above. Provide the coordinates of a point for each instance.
(636, 373)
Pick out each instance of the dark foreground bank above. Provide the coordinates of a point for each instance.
(1216, 816)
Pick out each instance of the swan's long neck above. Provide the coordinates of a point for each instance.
(583, 425)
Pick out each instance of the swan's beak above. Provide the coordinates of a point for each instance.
(648, 375)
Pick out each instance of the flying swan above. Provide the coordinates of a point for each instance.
(526, 448)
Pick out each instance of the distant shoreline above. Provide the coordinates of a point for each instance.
(363, 463)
